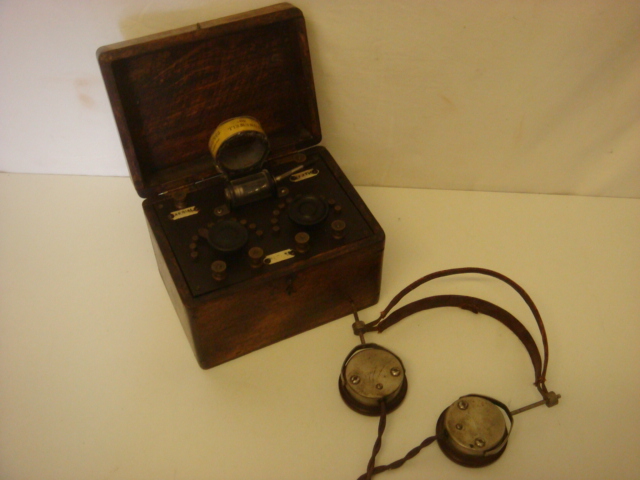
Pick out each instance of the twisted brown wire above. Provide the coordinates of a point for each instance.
(398, 463)
(378, 443)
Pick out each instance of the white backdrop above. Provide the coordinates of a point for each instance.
(520, 96)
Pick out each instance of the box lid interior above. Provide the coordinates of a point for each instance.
(170, 91)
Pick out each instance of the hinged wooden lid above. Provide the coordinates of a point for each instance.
(171, 90)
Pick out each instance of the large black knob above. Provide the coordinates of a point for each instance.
(227, 236)
(308, 210)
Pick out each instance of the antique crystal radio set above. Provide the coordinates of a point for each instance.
(257, 232)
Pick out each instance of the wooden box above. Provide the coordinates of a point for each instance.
(169, 92)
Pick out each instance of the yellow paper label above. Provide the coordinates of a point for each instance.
(298, 177)
(230, 128)
(278, 257)
(185, 212)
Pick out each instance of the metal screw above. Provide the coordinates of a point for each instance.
(395, 372)
(379, 386)
(480, 442)
(354, 379)
(463, 405)
(458, 426)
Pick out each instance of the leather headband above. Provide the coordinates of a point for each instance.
(475, 305)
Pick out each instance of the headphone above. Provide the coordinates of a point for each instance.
(474, 430)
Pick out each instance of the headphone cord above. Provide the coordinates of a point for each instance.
(371, 468)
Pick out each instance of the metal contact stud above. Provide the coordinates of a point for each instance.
(256, 254)
(219, 270)
(302, 242)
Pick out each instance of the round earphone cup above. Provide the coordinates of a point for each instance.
(461, 455)
(460, 458)
(369, 375)
(373, 411)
